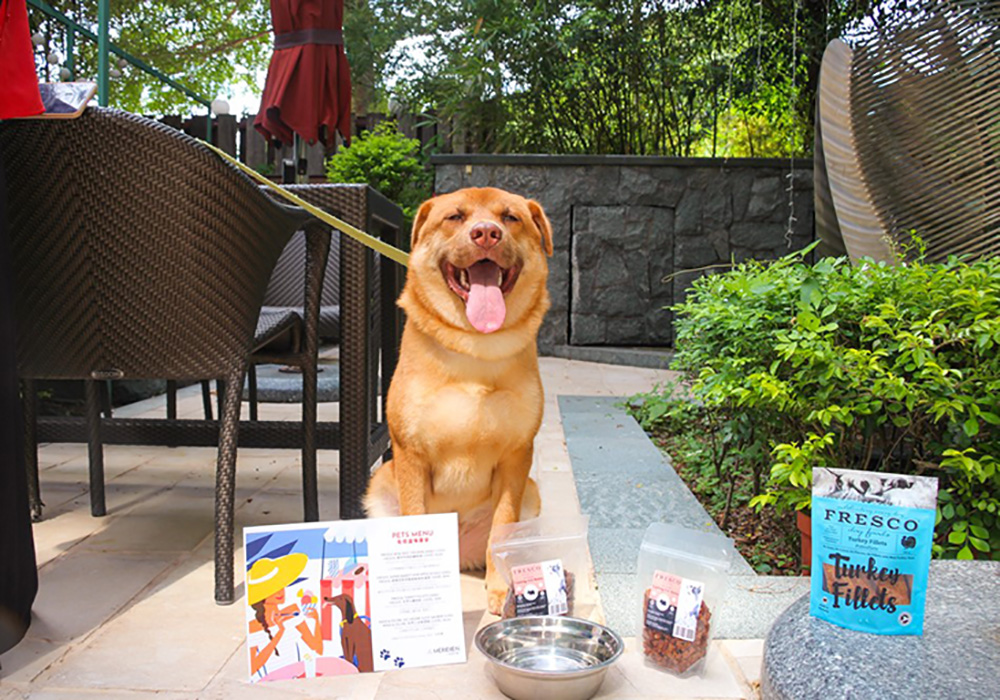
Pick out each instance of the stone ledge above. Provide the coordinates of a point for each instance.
(638, 161)
(651, 358)
(275, 386)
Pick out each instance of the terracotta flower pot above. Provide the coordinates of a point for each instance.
(804, 523)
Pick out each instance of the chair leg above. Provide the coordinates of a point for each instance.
(225, 488)
(206, 398)
(95, 447)
(317, 252)
(30, 396)
(171, 399)
(252, 382)
(105, 388)
(220, 390)
(310, 481)
(356, 389)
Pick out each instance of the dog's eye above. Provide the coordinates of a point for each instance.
(510, 218)
(457, 216)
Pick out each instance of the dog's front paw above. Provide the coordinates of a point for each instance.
(495, 599)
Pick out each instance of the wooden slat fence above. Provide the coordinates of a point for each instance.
(237, 137)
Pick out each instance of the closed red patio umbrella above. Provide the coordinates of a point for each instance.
(308, 86)
(19, 95)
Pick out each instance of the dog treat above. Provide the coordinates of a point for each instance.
(528, 595)
(670, 649)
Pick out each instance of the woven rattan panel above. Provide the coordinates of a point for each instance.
(846, 220)
(135, 249)
(926, 121)
(350, 203)
(285, 288)
(346, 202)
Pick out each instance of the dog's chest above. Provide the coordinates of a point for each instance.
(475, 418)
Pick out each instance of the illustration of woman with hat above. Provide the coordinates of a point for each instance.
(276, 630)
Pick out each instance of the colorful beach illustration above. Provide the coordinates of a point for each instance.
(308, 608)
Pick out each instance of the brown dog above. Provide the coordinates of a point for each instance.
(355, 636)
(465, 401)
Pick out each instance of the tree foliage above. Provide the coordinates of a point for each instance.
(675, 77)
(210, 48)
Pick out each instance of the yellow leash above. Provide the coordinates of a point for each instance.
(375, 244)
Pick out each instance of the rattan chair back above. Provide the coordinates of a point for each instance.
(137, 252)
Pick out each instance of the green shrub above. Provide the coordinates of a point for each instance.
(870, 366)
(388, 161)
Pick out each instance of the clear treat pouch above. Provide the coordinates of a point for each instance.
(682, 578)
(545, 564)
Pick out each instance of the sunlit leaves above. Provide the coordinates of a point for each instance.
(209, 48)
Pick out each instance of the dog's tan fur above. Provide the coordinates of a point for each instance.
(464, 406)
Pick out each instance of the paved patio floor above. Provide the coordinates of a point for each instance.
(125, 605)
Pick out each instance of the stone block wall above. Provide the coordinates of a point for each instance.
(632, 233)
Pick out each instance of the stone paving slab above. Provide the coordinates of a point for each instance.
(617, 593)
(636, 500)
(623, 480)
(754, 602)
(656, 358)
(614, 550)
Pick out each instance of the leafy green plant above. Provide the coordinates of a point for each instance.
(887, 367)
(967, 519)
(663, 406)
(388, 161)
(791, 474)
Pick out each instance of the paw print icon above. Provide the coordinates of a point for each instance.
(398, 661)
(385, 654)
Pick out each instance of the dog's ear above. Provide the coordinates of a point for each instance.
(542, 223)
(419, 221)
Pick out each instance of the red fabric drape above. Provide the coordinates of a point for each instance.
(308, 86)
(18, 83)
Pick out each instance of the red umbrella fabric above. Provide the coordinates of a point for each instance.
(308, 87)
(19, 95)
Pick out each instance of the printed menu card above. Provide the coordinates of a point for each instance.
(352, 596)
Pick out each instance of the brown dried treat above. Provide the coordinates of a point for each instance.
(510, 602)
(670, 652)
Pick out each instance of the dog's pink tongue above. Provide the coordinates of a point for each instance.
(485, 308)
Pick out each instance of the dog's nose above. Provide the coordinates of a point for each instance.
(486, 234)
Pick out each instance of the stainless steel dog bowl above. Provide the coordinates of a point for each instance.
(556, 658)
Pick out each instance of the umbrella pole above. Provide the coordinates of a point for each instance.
(301, 175)
(293, 170)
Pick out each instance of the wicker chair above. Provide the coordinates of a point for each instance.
(908, 135)
(139, 254)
